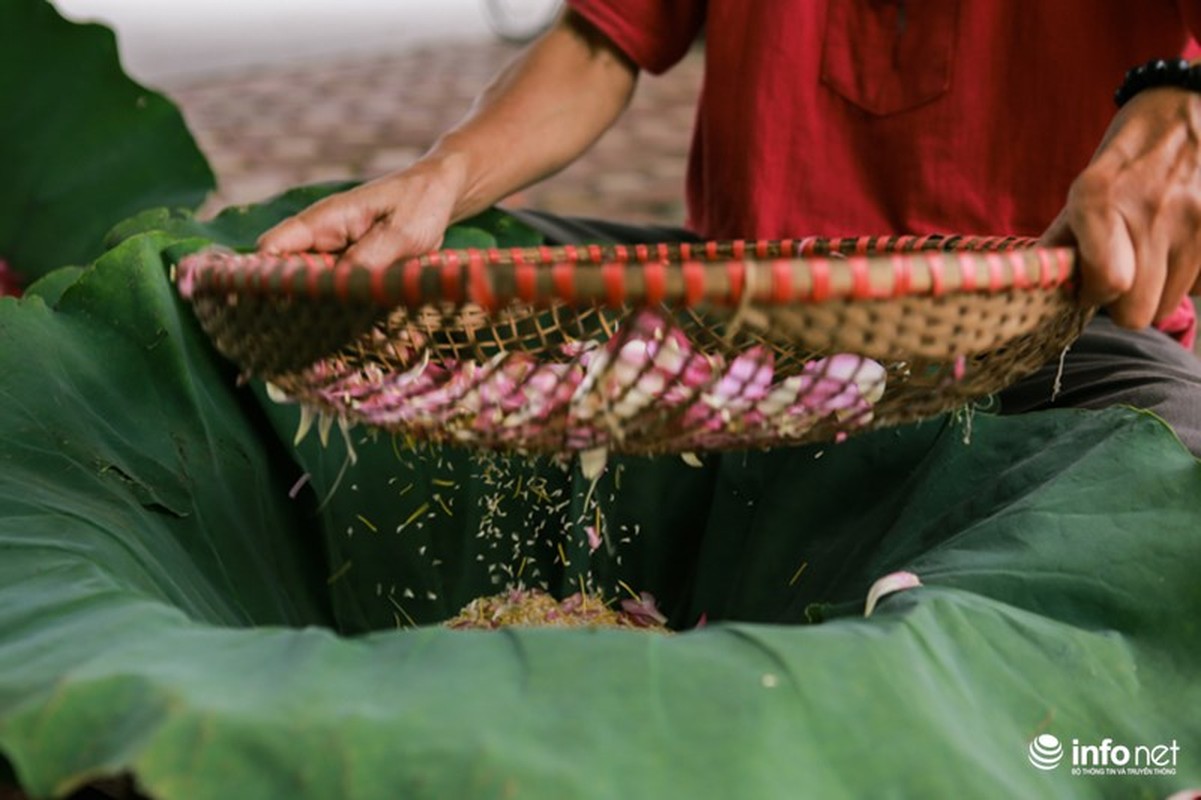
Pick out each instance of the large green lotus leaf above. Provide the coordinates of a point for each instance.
(81, 145)
(165, 608)
(238, 227)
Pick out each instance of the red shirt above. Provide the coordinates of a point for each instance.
(851, 117)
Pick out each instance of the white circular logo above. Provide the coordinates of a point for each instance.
(1046, 752)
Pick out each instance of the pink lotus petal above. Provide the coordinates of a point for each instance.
(500, 390)
(701, 416)
(185, 279)
(698, 371)
(550, 380)
(594, 539)
(676, 337)
(636, 371)
(842, 366)
(296, 487)
(580, 437)
(848, 369)
(671, 355)
(889, 584)
(647, 324)
(643, 611)
(826, 396)
(748, 379)
(747, 418)
(546, 391)
(634, 358)
(500, 384)
(1186, 794)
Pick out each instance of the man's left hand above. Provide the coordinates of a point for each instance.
(1135, 212)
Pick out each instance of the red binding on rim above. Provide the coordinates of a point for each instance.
(713, 273)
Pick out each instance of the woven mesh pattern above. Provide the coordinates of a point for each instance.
(644, 349)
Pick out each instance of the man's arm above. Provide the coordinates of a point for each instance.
(539, 114)
(1135, 211)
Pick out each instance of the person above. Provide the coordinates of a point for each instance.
(866, 116)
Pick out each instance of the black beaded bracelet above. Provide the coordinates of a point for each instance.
(1160, 72)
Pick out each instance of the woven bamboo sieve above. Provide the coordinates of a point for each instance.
(644, 348)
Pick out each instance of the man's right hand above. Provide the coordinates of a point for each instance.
(545, 109)
(401, 214)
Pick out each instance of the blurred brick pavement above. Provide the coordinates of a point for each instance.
(279, 127)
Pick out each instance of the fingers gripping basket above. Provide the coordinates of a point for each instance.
(646, 348)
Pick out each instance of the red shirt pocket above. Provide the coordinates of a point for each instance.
(888, 56)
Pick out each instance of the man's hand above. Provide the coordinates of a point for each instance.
(1135, 211)
(544, 110)
(401, 214)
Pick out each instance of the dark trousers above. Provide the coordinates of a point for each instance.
(1106, 366)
